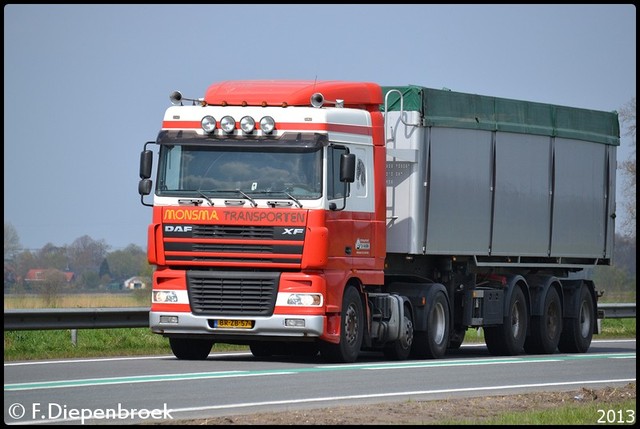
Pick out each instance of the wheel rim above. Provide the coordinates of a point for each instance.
(440, 323)
(553, 321)
(351, 325)
(407, 338)
(515, 320)
(585, 320)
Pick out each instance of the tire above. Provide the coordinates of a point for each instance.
(400, 349)
(432, 343)
(508, 339)
(190, 349)
(546, 329)
(351, 331)
(577, 332)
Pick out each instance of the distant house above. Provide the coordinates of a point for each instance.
(135, 283)
(36, 275)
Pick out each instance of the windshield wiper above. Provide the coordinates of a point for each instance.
(253, 202)
(293, 198)
(205, 197)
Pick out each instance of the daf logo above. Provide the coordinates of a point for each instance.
(177, 228)
(293, 231)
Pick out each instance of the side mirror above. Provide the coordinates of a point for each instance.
(146, 162)
(144, 187)
(347, 175)
(347, 168)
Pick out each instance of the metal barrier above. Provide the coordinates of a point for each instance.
(76, 318)
(138, 317)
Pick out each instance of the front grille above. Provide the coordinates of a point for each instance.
(232, 293)
(234, 244)
(233, 231)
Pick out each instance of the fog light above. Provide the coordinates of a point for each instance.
(168, 319)
(294, 323)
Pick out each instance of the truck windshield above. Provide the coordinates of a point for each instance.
(187, 170)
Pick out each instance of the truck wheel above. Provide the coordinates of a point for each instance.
(546, 329)
(577, 332)
(432, 343)
(508, 339)
(190, 349)
(400, 349)
(351, 331)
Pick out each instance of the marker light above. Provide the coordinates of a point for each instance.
(208, 124)
(267, 124)
(228, 124)
(247, 124)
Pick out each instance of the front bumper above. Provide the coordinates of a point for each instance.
(273, 326)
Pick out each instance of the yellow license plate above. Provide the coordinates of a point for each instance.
(238, 324)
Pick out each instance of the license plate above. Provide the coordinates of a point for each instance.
(238, 324)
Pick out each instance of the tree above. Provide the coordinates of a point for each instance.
(11, 242)
(627, 116)
(86, 256)
(52, 286)
(132, 261)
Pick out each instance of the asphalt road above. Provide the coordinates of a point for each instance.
(160, 388)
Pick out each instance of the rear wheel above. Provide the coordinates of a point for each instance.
(508, 339)
(432, 343)
(577, 332)
(190, 349)
(351, 330)
(546, 329)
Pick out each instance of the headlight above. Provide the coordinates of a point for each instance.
(168, 296)
(300, 299)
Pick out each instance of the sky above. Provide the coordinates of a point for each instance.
(85, 86)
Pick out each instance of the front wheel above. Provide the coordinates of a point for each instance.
(190, 349)
(351, 330)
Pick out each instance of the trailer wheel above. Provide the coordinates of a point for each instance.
(351, 331)
(400, 349)
(508, 339)
(546, 329)
(432, 343)
(190, 349)
(577, 332)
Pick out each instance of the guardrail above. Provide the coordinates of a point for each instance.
(76, 318)
(138, 317)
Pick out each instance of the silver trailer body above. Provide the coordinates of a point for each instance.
(505, 181)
